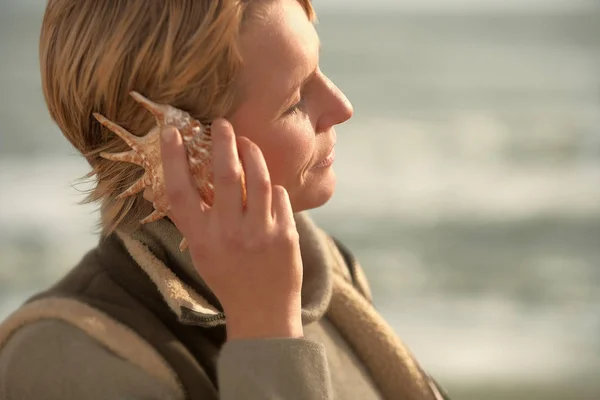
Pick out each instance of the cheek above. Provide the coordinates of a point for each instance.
(288, 154)
(288, 146)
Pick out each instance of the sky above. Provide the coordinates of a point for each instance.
(459, 5)
(409, 5)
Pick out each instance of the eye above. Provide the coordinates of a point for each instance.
(295, 108)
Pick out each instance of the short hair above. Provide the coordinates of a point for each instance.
(93, 53)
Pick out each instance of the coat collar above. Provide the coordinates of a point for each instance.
(155, 249)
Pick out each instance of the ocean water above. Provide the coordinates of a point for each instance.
(468, 187)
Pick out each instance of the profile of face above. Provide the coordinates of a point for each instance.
(288, 107)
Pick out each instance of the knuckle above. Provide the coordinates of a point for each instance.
(263, 185)
(232, 237)
(229, 175)
(256, 243)
(175, 194)
(288, 235)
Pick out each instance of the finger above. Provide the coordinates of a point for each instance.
(227, 172)
(187, 207)
(258, 183)
(282, 208)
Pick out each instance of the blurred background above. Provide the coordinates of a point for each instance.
(468, 182)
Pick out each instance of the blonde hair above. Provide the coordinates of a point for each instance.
(179, 52)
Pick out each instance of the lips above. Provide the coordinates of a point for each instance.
(327, 160)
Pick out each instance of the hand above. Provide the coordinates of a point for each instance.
(250, 258)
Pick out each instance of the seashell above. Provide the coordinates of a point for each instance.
(145, 152)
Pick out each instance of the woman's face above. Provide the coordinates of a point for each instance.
(289, 108)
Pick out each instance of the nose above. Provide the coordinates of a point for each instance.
(337, 108)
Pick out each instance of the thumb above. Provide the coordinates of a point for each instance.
(172, 152)
(169, 137)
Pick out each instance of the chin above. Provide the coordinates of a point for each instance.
(314, 194)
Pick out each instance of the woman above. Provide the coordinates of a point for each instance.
(264, 304)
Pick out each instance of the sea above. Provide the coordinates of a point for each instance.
(468, 185)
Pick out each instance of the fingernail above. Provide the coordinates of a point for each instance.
(220, 123)
(168, 134)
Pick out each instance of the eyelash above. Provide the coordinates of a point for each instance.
(295, 108)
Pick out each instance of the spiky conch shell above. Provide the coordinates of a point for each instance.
(145, 152)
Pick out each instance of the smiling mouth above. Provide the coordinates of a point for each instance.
(327, 161)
